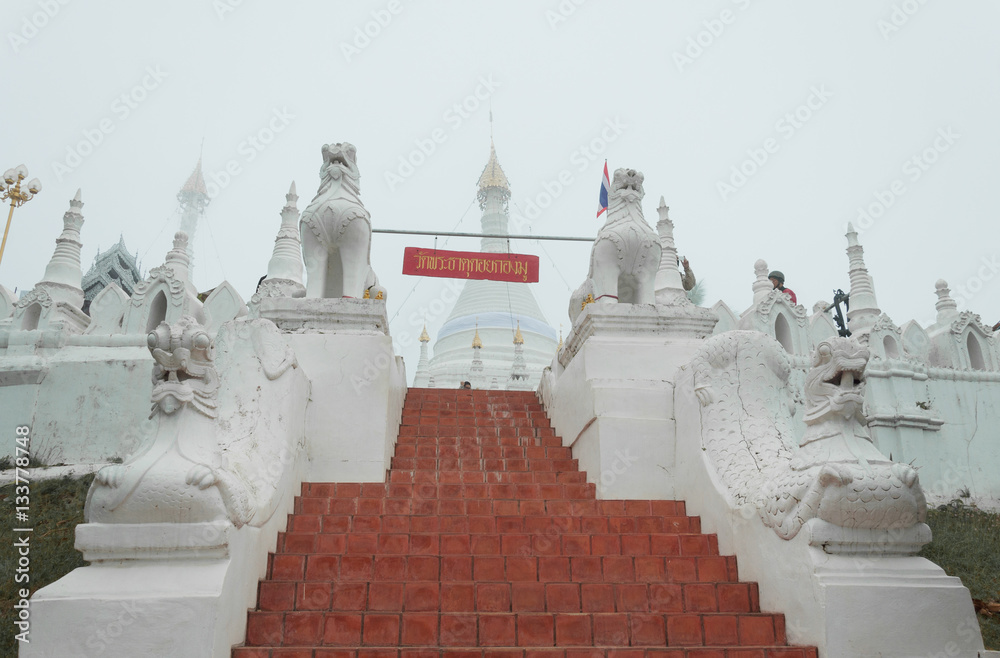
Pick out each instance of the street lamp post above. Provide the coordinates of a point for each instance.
(10, 188)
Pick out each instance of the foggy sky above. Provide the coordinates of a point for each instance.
(767, 126)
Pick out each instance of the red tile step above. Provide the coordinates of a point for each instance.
(454, 591)
(521, 652)
(486, 541)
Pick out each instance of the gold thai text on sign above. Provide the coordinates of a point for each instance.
(521, 268)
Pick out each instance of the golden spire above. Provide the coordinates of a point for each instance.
(518, 338)
(559, 346)
(493, 175)
(476, 342)
(424, 338)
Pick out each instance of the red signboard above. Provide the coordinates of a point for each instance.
(520, 268)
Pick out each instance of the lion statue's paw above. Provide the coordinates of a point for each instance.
(112, 476)
(835, 474)
(201, 476)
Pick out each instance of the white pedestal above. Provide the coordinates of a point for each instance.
(357, 384)
(610, 395)
(192, 603)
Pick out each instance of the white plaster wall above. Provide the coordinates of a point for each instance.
(87, 407)
(965, 452)
(613, 405)
(355, 404)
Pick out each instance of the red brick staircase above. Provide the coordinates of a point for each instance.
(488, 542)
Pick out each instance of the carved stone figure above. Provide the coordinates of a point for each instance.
(836, 473)
(626, 253)
(180, 476)
(336, 231)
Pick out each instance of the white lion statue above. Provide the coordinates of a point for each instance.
(336, 231)
(626, 253)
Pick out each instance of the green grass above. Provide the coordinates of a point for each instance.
(967, 544)
(56, 507)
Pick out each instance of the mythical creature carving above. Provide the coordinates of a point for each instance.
(835, 473)
(180, 475)
(626, 253)
(336, 231)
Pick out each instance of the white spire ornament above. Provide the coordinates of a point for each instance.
(864, 309)
(669, 287)
(284, 270)
(63, 274)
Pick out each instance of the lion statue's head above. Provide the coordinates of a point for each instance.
(340, 161)
(628, 184)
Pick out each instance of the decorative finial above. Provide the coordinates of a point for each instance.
(476, 342)
(852, 235)
(559, 346)
(663, 210)
(493, 175)
(177, 258)
(518, 338)
(761, 286)
(195, 184)
(945, 305)
(424, 338)
(291, 198)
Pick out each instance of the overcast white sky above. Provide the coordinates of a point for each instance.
(682, 91)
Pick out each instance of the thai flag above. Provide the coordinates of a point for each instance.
(605, 188)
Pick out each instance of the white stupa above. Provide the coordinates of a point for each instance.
(497, 306)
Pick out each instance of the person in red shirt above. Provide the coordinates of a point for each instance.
(778, 281)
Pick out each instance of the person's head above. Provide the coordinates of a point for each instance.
(466, 384)
(777, 279)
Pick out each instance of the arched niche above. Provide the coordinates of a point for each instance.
(783, 332)
(157, 311)
(976, 359)
(891, 347)
(31, 316)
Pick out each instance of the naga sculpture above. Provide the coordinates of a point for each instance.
(835, 473)
(336, 231)
(626, 253)
(183, 473)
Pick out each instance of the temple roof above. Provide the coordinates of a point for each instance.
(114, 265)
(493, 175)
